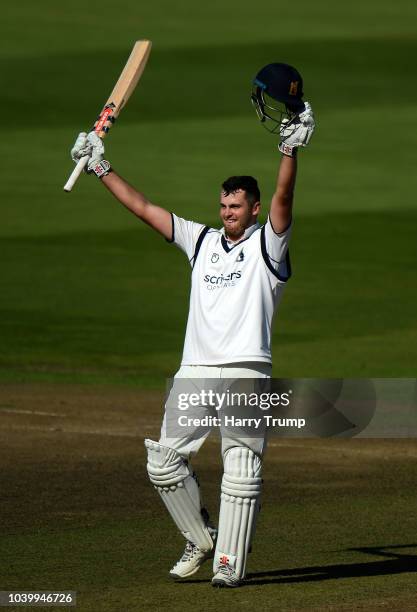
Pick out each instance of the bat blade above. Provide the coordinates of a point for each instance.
(121, 93)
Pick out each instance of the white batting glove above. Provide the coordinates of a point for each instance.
(81, 147)
(91, 145)
(97, 163)
(297, 132)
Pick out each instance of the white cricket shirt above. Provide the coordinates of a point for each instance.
(235, 290)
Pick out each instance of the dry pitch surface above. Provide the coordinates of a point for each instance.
(337, 530)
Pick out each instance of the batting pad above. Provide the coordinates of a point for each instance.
(174, 480)
(241, 489)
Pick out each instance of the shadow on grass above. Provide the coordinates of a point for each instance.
(394, 563)
(172, 87)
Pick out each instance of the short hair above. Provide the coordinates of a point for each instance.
(248, 184)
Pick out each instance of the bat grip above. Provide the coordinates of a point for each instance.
(76, 173)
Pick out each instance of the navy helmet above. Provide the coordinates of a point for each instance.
(277, 83)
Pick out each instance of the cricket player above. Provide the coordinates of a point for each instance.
(238, 275)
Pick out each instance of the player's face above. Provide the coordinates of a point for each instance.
(236, 213)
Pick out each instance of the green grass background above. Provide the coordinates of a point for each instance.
(90, 295)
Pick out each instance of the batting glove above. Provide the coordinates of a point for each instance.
(296, 132)
(91, 145)
(97, 163)
(81, 147)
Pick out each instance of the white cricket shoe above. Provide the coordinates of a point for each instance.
(192, 559)
(225, 577)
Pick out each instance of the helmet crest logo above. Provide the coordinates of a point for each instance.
(293, 88)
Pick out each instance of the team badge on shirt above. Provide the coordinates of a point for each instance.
(214, 258)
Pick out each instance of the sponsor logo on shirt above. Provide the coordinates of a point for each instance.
(214, 281)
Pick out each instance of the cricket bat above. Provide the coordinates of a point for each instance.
(121, 93)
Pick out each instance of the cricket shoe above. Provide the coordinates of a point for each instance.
(192, 559)
(225, 577)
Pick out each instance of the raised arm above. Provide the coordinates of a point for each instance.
(295, 133)
(155, 216)
(282, 200)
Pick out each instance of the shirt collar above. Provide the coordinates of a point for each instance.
(248, 232)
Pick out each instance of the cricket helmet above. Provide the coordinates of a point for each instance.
(277, 83)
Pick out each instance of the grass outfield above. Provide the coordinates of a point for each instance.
(336, 531)
(91, 298)
(112, 306)
(88, 295)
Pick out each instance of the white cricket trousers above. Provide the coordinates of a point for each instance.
(188, 442)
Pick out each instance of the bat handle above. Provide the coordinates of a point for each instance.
(76, 173)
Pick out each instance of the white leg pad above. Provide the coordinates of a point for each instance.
(241, 490)
(174, 480)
